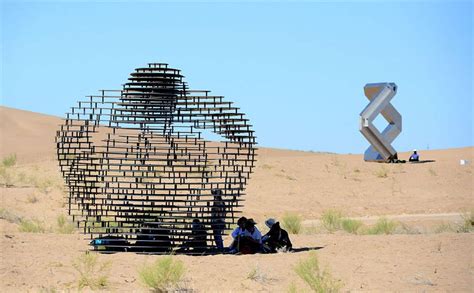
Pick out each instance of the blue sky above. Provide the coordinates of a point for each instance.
(297, 69)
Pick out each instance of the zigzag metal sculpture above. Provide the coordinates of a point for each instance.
(139, 172)
(380, 95)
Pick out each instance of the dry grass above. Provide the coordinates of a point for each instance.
(382, 226)
(292, 223)
(31, 226)
(92, 273)
(64, 226)
(164, 275)
(318, 280)
(331, 220)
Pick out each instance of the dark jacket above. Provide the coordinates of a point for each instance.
(277, 238)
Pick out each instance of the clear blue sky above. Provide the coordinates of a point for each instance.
(296, 69)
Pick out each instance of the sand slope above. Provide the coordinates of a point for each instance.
(284, 181)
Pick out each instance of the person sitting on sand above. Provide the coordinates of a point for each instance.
(251, 239)
(414, 157)
(236, 234)
(276, 239)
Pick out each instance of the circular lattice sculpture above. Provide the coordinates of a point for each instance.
(140, 171)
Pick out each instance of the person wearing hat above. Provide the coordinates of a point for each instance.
(276, 239)
(414, 157)
(217, 218)
(251, 239)
(237, 234)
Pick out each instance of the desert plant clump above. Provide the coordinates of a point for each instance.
(444, 228)
(292, 223)
(468, 222)
(318, 280)
(331, 220)
(164, 274)
(31, 226)
(64, 226)
(351, 226)
(92, 273)
(382, 172)
(255, 274)
(6, 174)
(383, 226)
(9, 161)
(9, 216)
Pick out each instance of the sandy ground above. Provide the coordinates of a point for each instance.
(305, 183)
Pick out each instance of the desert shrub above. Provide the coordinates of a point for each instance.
(318, 280)
(32, 198)
(468, 222)
(331, 220)
(255, 274)
(44, 185)
(9, 161)
(382, 172)
(31, 226)
(383, 226)
(92, 273)
(292, 223)
(9, 216)
(164, 274)
(444, 228)
(351, 225)
(64, 226)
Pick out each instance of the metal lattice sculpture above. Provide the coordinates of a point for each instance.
(140, 174)
(380, 95)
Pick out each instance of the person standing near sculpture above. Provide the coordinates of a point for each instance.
(217, 218)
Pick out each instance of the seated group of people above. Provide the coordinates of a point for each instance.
(247, 239)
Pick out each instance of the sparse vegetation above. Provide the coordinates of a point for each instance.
(468, 222)
(255, 274)
(6, 174)
(444, 228)
(164, 274)
(351, 226)
(31, 226)
(9, 216)
(9, 161)
(32, 198)
(64, 226)
(331, 220)
(92, 273)
(382, 172)
(292, 223)
(318, 280)
(383, 226)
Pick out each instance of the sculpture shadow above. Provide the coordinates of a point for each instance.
(422, 162)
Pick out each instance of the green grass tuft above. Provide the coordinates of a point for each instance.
(64, 226)
(31, 226)
(351, 226)
(383, 226)
(9, 161)
(164, 274)
(318, 280)
(92, 274)
(331, 220)
(292, 223)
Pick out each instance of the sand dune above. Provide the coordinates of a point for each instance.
(303, 183)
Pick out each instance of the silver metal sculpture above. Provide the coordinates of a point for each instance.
(380, 95)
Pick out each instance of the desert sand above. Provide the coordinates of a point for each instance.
(421, 197)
